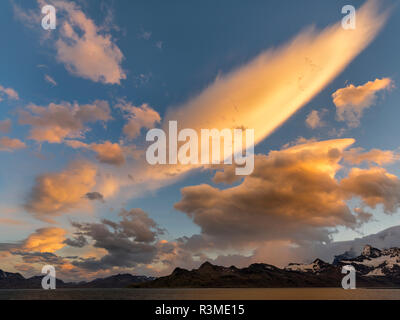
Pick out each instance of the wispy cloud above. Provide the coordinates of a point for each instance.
(5, 126)
(264, 93)
(9, 144)
(8, 93)
(50, 80)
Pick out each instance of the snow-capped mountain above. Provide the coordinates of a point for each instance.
(317, 266)
(375, 262)
(371, 262)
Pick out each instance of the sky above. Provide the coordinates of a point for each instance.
(77, 102)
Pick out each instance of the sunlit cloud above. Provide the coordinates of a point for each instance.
(9, 144)
(45, 240)
(351, 101)
(142, 117)
(55, 193)
(56, 122)
(265, 92)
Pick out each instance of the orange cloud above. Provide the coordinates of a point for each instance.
(107, 152)
(293, 195)
(351, 101)
(45, 240)
(264, 93)
(374, 186)
(138, 118)
(85, 50)
(380, 157)
(54, 193)
(56, 122)
(8, 144)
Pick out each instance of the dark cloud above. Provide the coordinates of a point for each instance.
(94, 196)
(77, 242)
(129, 242)
(40, 257)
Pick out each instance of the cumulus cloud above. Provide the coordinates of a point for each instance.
(293, 195)
(138, 118)
(351, 101)
(374, 186)
(314, 119)
(8, 93)
(129, 242)
(110, 153)
(9, 145)
(5, 126)
(85, 49)
(107, 152)
(56, 122)
(45, 240)
(54, 193)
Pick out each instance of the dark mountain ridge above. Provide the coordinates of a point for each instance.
(374, 268)
(17, 281)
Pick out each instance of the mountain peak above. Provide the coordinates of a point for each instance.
(206, 265)
(370, 251)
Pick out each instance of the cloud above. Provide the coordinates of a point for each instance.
(110, 153)
(293, 196)
(146, 35)
(50, 80)
(130, 242)
(9, 93)
(357, 156)
(138, 118)
(5, 126)
(314, 119)
(9, 145)
(351, 101)
(107, 152)
(385, 239)
(85, 49)
(54, 193)
(78, 242)
(287, 77)
(45, 240)
(7, 221)
(56, 122)
(94, 196)
(374, 186)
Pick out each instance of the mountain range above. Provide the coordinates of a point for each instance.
(17, 281)
(374, 267)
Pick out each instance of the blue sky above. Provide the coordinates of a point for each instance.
(173, 51)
